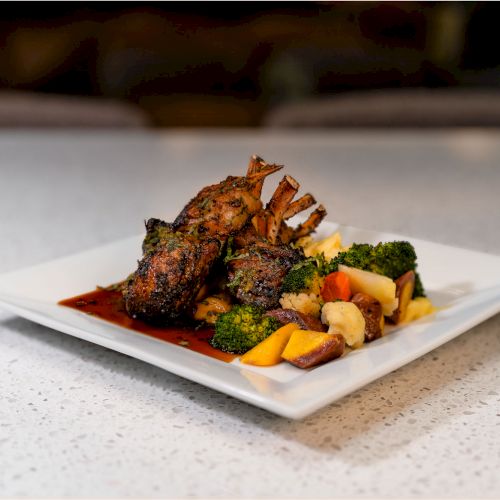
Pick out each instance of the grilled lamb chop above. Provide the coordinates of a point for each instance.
(178, 257)
(169, 277)
(223, 209)
(263, 253)
(255, 275)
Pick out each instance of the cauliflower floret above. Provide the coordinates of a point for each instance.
(306, 303)
(329, 247)
(345, 318)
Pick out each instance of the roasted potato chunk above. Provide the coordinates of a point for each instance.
(371, 309)
(307, 348)
(209, 308)
(404, 291)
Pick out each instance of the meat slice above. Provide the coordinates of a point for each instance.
(255, 275)
(222, 209)
(169, 277)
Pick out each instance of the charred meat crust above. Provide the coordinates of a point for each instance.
(156, 231)
(169, 277)
(256, 274)
(222, 209)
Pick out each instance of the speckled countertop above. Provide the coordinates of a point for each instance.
(78, 420)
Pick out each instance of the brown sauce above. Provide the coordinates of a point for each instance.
(108, 305)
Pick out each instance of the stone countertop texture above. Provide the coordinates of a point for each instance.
(78, 420)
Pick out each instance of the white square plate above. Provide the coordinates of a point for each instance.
(465, 284)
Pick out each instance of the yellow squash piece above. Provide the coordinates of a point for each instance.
(268, 352)
(417, 308)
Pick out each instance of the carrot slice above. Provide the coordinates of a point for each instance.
(336, 287)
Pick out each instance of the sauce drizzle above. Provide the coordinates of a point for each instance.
(109, 305)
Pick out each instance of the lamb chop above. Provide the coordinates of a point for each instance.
(168, 278)
(179, 256)
(270, 223)
(223, 209)
(255, 276)
(264, 255)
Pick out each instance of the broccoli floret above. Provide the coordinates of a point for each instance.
(395, 258)
(359, 255)
(304, 276)
(419, 290)
(242, 328)
(391, 259)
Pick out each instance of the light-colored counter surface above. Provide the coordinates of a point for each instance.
(80, 420)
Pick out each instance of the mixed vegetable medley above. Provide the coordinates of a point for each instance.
(351, 293)
(271, 292)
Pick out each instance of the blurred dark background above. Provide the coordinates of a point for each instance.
(249, 63)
